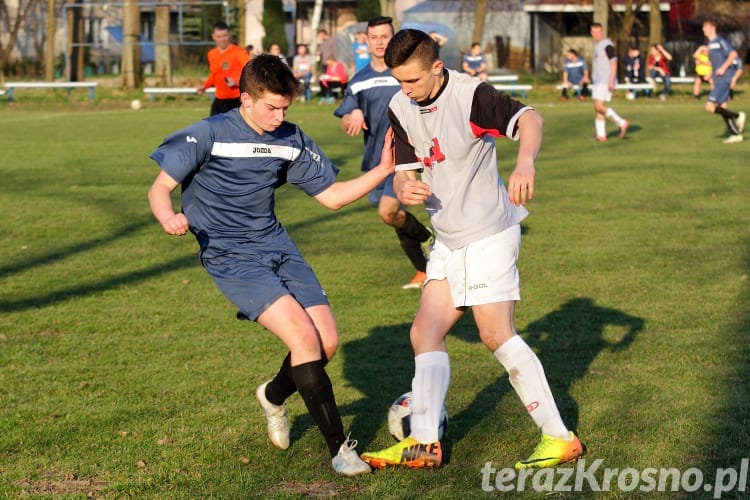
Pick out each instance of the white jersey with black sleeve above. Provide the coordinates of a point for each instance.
(450, 140)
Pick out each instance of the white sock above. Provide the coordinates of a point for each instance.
(611, 113)
(527, 378)
(432, 374)
(601, 129)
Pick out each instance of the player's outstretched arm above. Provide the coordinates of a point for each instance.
(521, 180)
(341, 193)
(160, 200)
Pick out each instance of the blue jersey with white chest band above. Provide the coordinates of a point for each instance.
(229, 174)
(370, 91)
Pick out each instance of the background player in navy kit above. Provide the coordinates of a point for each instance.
(230, 166)
(365, 108)
(444, 126)
(722, 56)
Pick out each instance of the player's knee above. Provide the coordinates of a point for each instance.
(389, 216)
(308, 343)
(330, 344)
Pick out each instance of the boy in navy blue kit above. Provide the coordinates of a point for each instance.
(365, 109)
(230, 166)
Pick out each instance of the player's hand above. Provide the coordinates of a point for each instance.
(388, 153)
(231, 82)
(355, 123)
(200, 91)
(521, 184)
(413, 192)
(176, 225)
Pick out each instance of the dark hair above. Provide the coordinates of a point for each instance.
(411, 43)
(377, 21)
(597, 25)
(573, 51)
(221, 25)
(268, 73)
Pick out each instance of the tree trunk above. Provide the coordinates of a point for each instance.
(654, 23)
(13, 26)
(162, 64)
(601, 14)
(131, 50)
(479, 15)
(49, 42)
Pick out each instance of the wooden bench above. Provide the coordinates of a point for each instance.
(513, 88)
(69, 86)
(152, 92)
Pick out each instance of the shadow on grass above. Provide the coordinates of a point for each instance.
(126, 278)
(567, 341)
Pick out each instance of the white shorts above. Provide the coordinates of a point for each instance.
(601, 92)
(482, 272)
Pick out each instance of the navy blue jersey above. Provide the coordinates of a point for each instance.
(718, 51)
(370, 91)
(229, 174)
(575, 70)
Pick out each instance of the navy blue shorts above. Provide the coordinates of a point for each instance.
(253, 282)
(719, 94)
(385, 188)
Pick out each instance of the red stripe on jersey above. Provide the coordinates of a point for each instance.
(480, 131)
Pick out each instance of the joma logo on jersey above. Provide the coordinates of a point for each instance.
(261, 150)
(477, 286)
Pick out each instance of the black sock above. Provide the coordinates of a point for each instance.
(282, 384)
(316, 390)
(411, 234)
(413, 249)
(729, 117)
(413, 228)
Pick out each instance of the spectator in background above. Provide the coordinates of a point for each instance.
(360, 52)
(250, 52)
(302, 66)
(225, 63)
(334, 79)
(658, 67)
(575, 74)
(702, 70)
(474, 62)
(635, 70)
(275, 50)
(327, 48)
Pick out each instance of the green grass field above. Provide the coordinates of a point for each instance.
(123, 372)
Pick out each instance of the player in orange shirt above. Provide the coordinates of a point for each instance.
(225, 63)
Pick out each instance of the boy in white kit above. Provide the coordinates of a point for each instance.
(444, 126)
